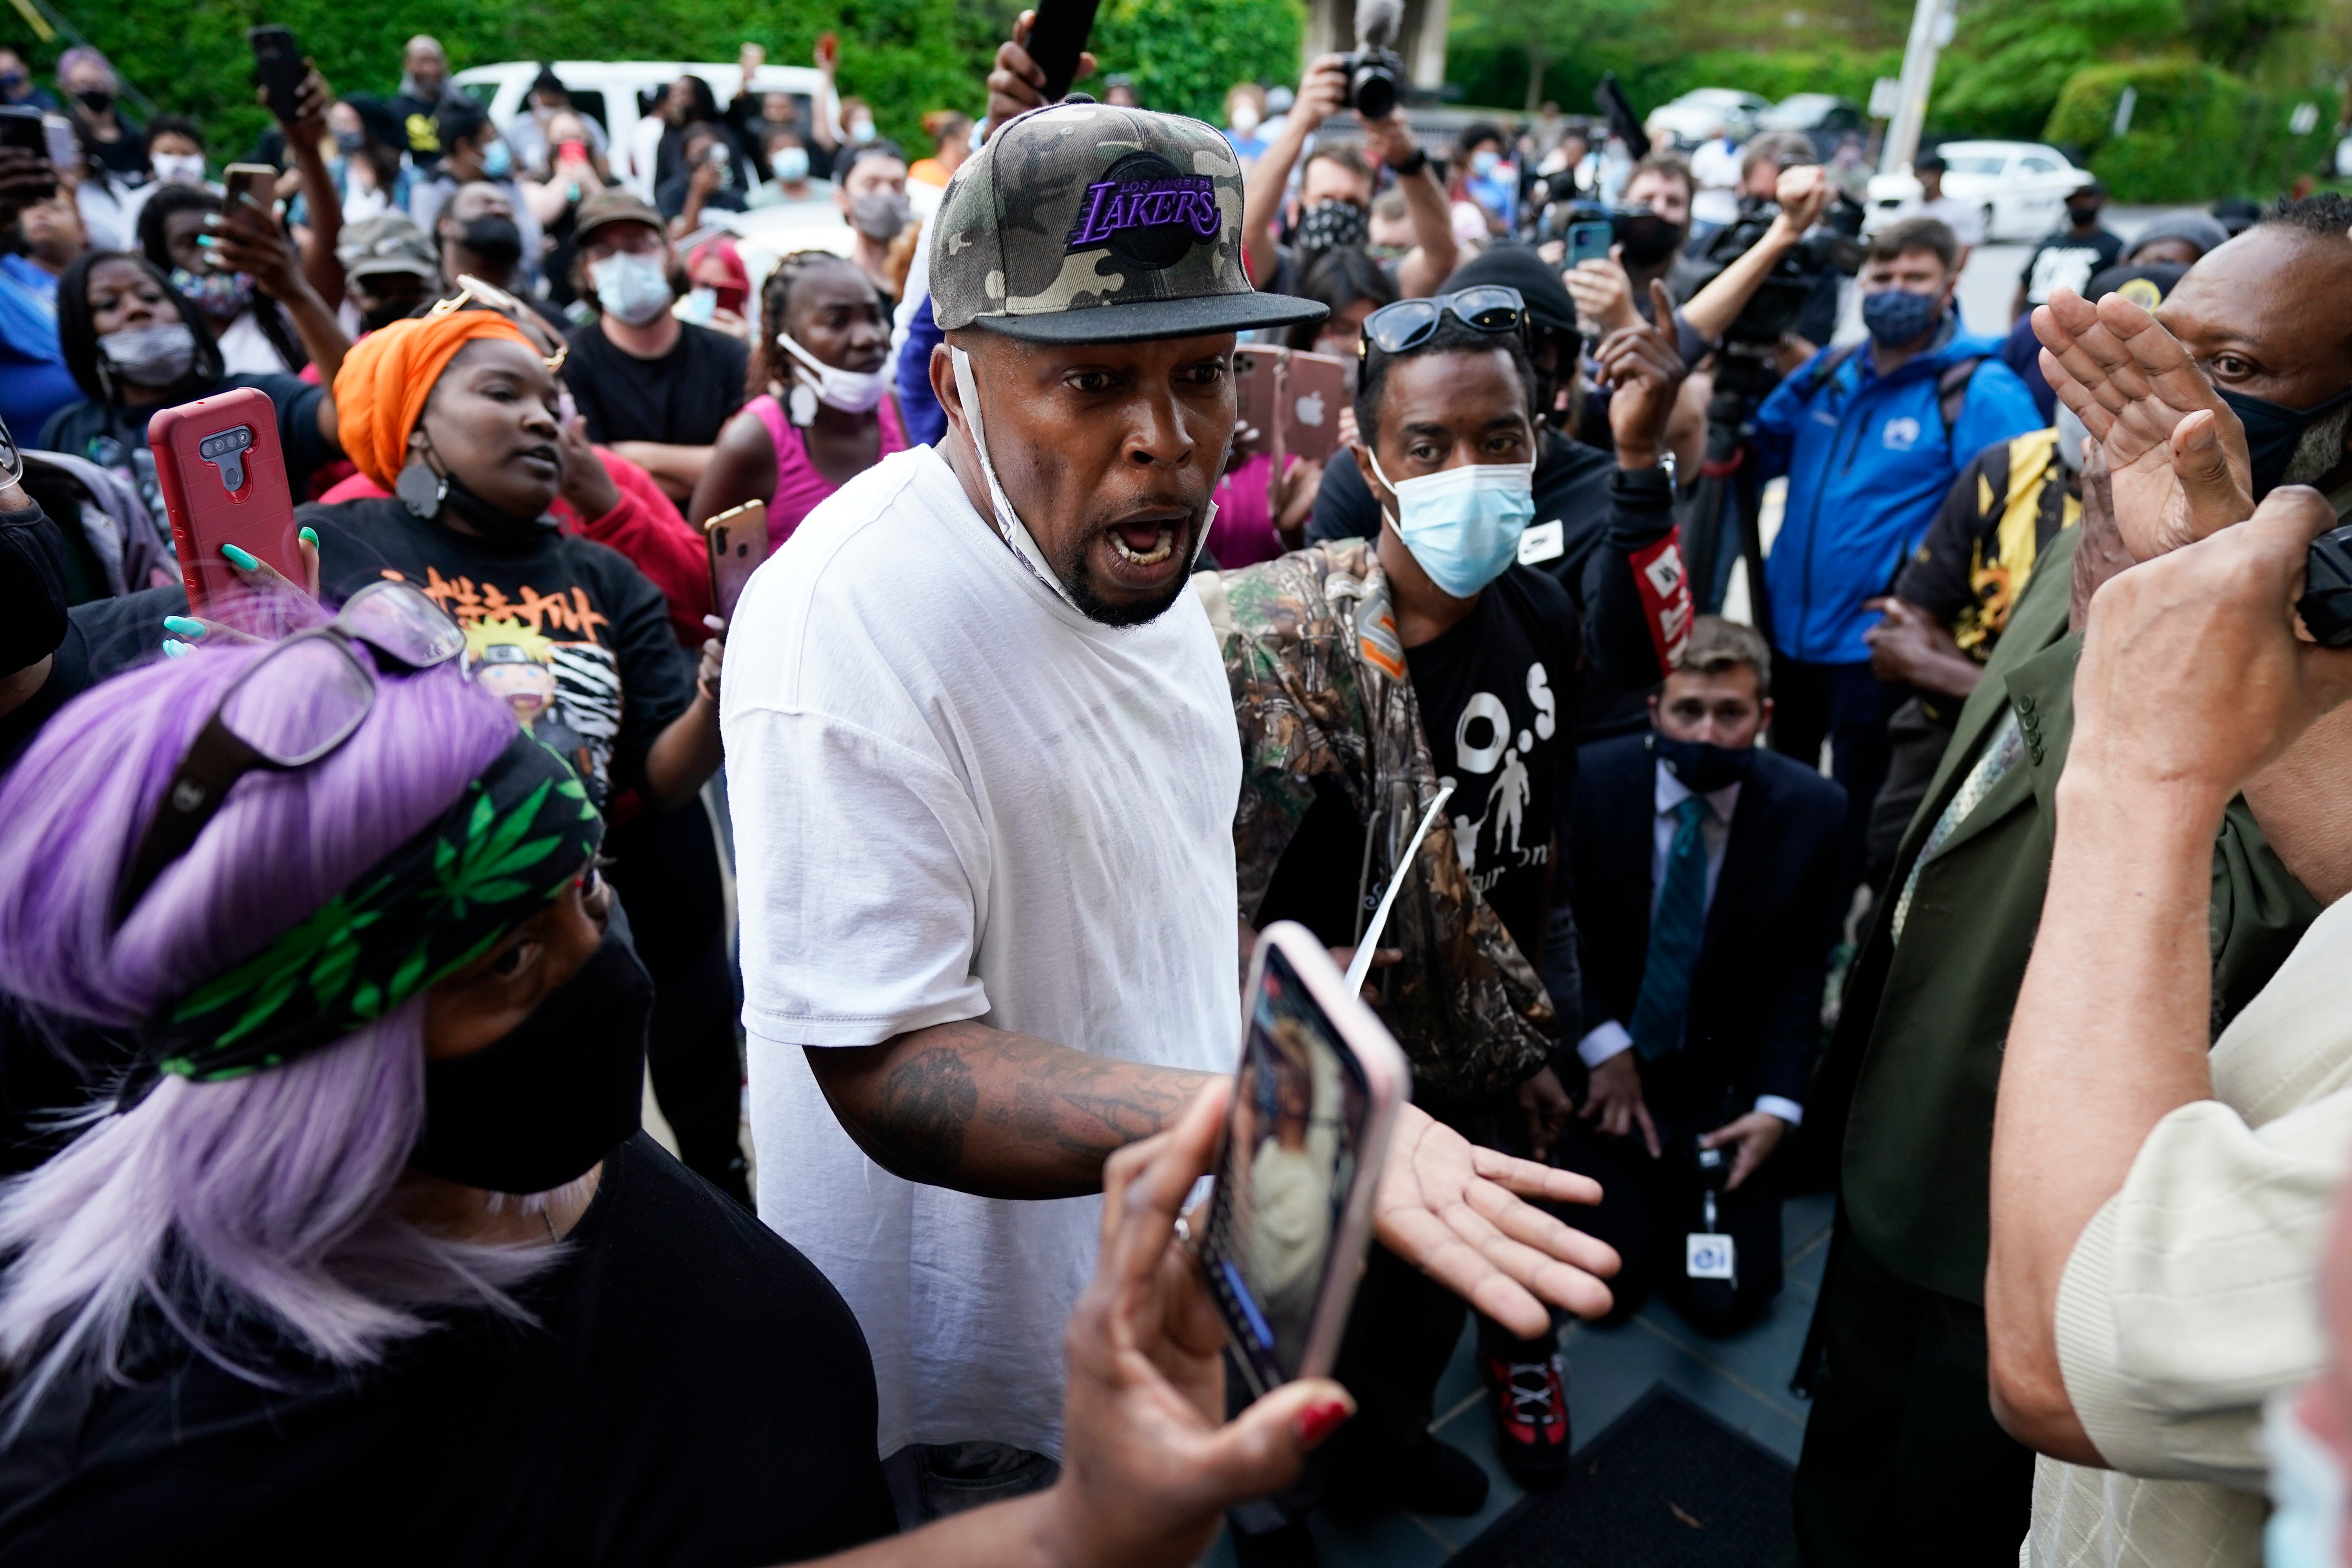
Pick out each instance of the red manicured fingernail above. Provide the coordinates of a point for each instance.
(1320, 1419)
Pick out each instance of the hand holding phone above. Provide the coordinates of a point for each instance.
(223, 475)
(738, 542)
(1589, 240)
(277, 67)
(1057, 38)
(257, 182)
(1314, 1102)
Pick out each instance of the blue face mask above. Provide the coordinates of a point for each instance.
(1896, 317)
(1463, 524)
(2307, 1491)
(1483, 163)
(497, 161)
(789, 164)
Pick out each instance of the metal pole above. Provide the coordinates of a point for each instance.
(1930, 28)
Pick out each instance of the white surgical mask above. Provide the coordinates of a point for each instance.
(861, 130)
(151, 356)
(789, 164)
(1245, 120)
(1463, 524)
(177, 168)
(699, 307)
(851, 391)
(1008, 521)
(2307, 1491)
(633, 286)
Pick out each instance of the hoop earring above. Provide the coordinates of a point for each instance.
(420, 489)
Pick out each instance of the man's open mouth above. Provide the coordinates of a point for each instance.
(1143, 543)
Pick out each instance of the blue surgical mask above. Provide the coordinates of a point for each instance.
(497, 161)
(2307, 1491)
(789, 164)
(1483, 163)
(1896, 316)
(1463, 524)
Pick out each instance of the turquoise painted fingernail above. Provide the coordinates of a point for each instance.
(176, 650)
(181, 625)
(206, 239)
(310, 537)
(243, 560)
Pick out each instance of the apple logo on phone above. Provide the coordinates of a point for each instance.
(1309, 410)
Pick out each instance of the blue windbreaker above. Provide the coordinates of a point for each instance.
(1868, 464)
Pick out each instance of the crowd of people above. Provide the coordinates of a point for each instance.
(1982, 874)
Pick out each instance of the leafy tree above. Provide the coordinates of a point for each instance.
(1185, 55)
(2009, 59)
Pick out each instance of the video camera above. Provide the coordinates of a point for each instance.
(1376, 72)
(1833, 249)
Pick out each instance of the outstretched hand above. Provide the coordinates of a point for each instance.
(2176, 453)
(1457, 1213)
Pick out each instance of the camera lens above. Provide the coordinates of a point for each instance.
(1374, 90)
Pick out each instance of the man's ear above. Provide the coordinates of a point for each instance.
(1764, 725)
(943, 383)
(1363, 456)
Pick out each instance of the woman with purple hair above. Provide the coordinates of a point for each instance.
(366, 1258)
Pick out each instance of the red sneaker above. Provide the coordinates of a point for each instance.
(1529, 1400)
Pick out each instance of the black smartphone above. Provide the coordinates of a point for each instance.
(20, 126)
(278, 64)
(1057, 38)
(2326, 603)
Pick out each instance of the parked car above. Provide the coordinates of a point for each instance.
(1692, 118)
(609, 92)
(1828, 119)
(2022, 187)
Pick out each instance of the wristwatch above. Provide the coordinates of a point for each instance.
(1406, 168)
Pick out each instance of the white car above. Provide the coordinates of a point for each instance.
(2020, 186)
(607, 93)
(1692, 118)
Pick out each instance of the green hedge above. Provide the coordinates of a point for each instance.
(2196, 133)
(905, 57)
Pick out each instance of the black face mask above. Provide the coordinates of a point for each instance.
(382, 316)
(1649, 239)
(1701, 766)
(2274, 431)
(495, 240)
(543, 1104)
(493, 522)
(2083, 217)
(32, 589)
(97, 100)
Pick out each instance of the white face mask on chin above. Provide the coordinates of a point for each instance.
(851, 391)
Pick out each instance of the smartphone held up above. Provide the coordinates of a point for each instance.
(223, 476)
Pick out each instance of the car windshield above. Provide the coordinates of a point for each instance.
(1973, 163)
(1799, 112)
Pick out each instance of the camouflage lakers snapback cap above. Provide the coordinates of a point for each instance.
(1082, 222)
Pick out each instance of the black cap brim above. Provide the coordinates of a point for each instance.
(1145, 319)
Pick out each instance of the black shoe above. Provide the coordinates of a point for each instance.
(1529, 1402)
(1292, 1546)
(1434, 1478)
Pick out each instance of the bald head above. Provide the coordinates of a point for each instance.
(427, 63)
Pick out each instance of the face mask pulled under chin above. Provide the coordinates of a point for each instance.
(851, 391)
(1009, 526)
(2309, 1491)
(1463, 524)
(154, 357)
(539, 1106)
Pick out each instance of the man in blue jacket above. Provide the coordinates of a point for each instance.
(1871, 435)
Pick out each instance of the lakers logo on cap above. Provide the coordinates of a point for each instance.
(1146, 212)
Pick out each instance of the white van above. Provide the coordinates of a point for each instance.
(608, 91)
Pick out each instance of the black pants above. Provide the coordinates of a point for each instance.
(1903, 1463)
(1845, 705)
(1914, 750)
(667, 871)
(1647, 1206)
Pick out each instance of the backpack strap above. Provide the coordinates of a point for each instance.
(1827, 366)
(1952, 391)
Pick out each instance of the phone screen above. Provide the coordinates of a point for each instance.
(1301, 1105)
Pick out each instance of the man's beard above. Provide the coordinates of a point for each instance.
(2320, 452)
(1076, 572)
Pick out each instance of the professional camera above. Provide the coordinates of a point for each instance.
(1376, 74)
(1813, 265)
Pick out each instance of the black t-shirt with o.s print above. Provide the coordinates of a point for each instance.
(570, 632)
(1497, 697)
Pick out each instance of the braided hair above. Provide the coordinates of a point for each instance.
(770, 366)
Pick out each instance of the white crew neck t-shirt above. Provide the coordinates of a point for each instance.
(956, 797)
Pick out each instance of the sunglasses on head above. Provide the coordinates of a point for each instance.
(1487, 308)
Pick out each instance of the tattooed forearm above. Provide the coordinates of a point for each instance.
(1004, 1115)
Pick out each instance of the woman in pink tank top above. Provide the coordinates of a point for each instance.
(823, 415)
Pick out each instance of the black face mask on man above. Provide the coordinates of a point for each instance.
(494, 238)
(1702, 767)
(543, 1104)
(2291, 445)
(1648, 238)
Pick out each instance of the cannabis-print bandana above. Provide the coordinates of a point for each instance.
(514, 839)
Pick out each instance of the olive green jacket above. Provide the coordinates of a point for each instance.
(1919, 1036)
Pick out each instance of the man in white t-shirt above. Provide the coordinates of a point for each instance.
(1965, 219)
(984, 769)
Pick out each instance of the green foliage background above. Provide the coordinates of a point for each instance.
(905, 57)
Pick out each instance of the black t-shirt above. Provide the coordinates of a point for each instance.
(1489, 683)
(567, 631)
(2063, 260)
(116, 438)
(690, 1393)
(681, 399)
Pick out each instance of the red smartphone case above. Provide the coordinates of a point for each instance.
(224, 480)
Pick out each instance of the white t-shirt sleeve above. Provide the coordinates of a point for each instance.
(862, 868)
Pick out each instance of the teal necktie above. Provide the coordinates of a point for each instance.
(1674, 934)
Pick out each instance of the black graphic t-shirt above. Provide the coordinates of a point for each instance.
(2064, 261)
(1497, 693)
(570, 632)
(683, 398)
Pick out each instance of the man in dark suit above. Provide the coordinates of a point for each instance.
(1706, 879)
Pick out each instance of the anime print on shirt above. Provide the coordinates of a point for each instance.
(540, 652)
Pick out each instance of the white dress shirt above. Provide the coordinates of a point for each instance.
(1610, 1037)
